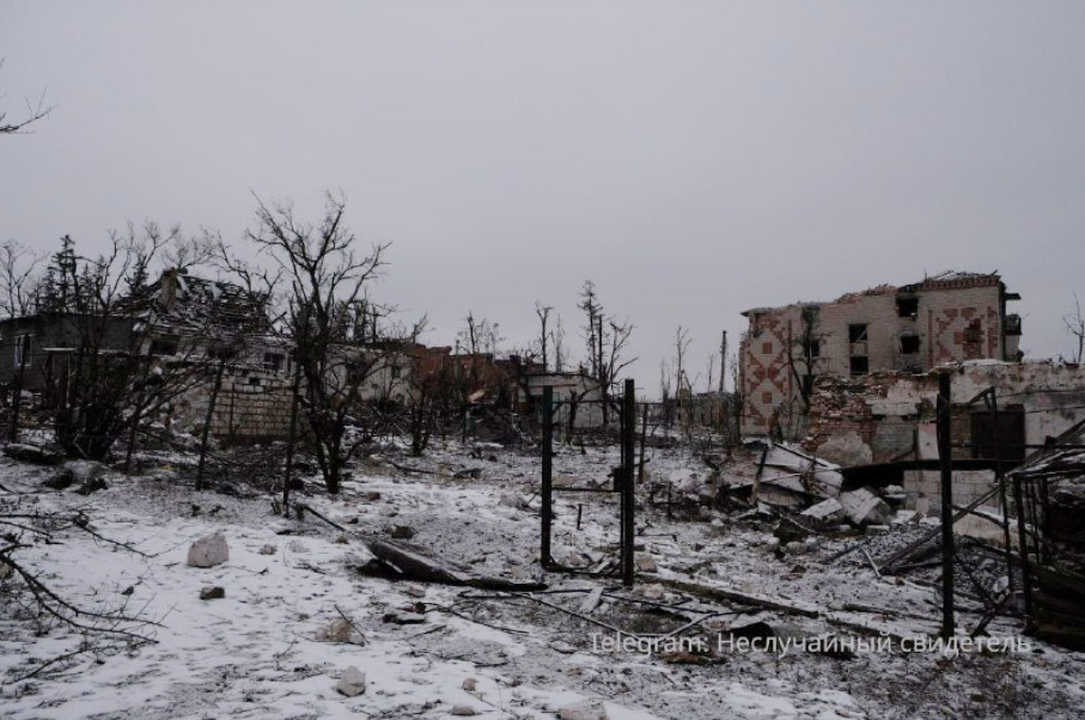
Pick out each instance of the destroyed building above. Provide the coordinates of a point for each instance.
(886, 420)
(179, 320)
(954, 316)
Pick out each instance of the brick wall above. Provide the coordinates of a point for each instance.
(886, 413)
(253, 405)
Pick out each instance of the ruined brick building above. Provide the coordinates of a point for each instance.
(954, 316)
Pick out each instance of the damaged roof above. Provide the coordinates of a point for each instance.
(941, 281)
(188, 303)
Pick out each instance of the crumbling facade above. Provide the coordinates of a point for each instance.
(889, 416)
(949, 317)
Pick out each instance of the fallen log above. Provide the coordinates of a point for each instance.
(412, 564)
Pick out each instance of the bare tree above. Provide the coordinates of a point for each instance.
(338, 342)
(559, 346)
(683, 390)
(607, 340)
(805, 352)
(34, 112)
(478, 338)
(543, 313)
(18, 283)
(1075, 325)
(665, 394)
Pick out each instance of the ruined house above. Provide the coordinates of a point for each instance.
(954, 316)
(179, 321)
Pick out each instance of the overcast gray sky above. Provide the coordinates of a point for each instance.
(694, 159)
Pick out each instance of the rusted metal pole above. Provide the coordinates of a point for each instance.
(547, 474)
(1000, 477)
(629, 458)
(944, 451)
(1023, 551)
(643, 440)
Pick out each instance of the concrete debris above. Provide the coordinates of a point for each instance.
(863, 507)
(414, 591)
(268, 549)
(826, 512)
(212, 592)
(653, 591)
(352, 683)
(645, 563)
(470, 684)
(404, 618)
(340, 630)
(209, 551)
(401, 532)
(462, 711)
(585, 710)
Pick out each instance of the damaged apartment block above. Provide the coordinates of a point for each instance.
(954, 316)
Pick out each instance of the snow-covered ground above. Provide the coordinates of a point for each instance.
(264, 649)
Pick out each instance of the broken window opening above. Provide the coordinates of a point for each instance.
(1002, 440)
(273, 362)
(22, 350)
(812, 348)
(973, 333)
(808, 385)
(908, 307)
(164, 346)
(909, 344)
(860, 365)
(857, 333)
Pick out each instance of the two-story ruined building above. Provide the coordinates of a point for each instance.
(953, 316)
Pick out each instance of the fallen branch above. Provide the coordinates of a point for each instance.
(411, 564)
(352, 625)
(309, 509)
(82, 522)
(733, 596)
(409, 469)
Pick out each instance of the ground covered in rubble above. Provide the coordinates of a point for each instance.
(299, 608)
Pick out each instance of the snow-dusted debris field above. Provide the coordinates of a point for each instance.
(300, 630)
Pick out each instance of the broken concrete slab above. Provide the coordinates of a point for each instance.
(864, 507)
(826, 512)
